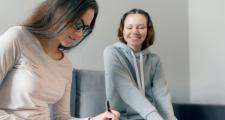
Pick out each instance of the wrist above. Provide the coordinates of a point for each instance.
(90, 118)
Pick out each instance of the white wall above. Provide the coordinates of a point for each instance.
(170, 19)
(13, 12)
(207, 51)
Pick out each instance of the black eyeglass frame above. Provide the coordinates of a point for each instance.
(79, 25)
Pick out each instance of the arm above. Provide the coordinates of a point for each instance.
(161, 93)
(10, 51)
(118, 80)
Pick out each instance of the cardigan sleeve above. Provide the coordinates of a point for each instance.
(161, 93)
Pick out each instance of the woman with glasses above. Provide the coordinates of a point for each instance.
(34, 71)
(135, 83)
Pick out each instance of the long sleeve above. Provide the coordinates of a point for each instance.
(118, 80)
(161, 93)
(10, 51)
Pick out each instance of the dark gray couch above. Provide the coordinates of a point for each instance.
(88, 99)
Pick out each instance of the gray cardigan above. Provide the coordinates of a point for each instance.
(135, 84)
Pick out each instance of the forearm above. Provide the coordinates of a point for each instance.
(165, 106)
(161, 94)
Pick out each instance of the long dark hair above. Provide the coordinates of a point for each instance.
(149, 40)
(54, 16)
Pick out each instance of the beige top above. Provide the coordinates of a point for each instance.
(30, 80)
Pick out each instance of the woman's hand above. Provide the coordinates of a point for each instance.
(113, 115)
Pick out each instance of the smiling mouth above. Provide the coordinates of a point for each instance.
(135, 38)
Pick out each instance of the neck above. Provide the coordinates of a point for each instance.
(135, 49)
(51, 48)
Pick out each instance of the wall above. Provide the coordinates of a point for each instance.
(13, 12)
(207, 51)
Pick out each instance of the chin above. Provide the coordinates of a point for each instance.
(65, 45)
(136, 44)
(62, 47)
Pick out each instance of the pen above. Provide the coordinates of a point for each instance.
(108, 106)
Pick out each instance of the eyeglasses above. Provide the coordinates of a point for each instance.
(86, 29)
(79, 25)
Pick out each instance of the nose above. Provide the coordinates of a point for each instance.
(78, 34)
(135, 30)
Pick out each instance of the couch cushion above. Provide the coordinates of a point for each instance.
(199, 112)
(88, 93)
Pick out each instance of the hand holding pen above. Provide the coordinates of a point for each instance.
(108, 115)
(115, 113)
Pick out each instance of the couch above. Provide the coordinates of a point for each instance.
(88, 99)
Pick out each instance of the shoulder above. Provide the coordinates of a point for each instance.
(154, 58)
(14, 31)
(111, 54)
(110, 50)
(116, 48)
(13, 34)
(12, 38)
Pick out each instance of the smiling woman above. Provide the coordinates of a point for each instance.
(135, 83)
(34, 72)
